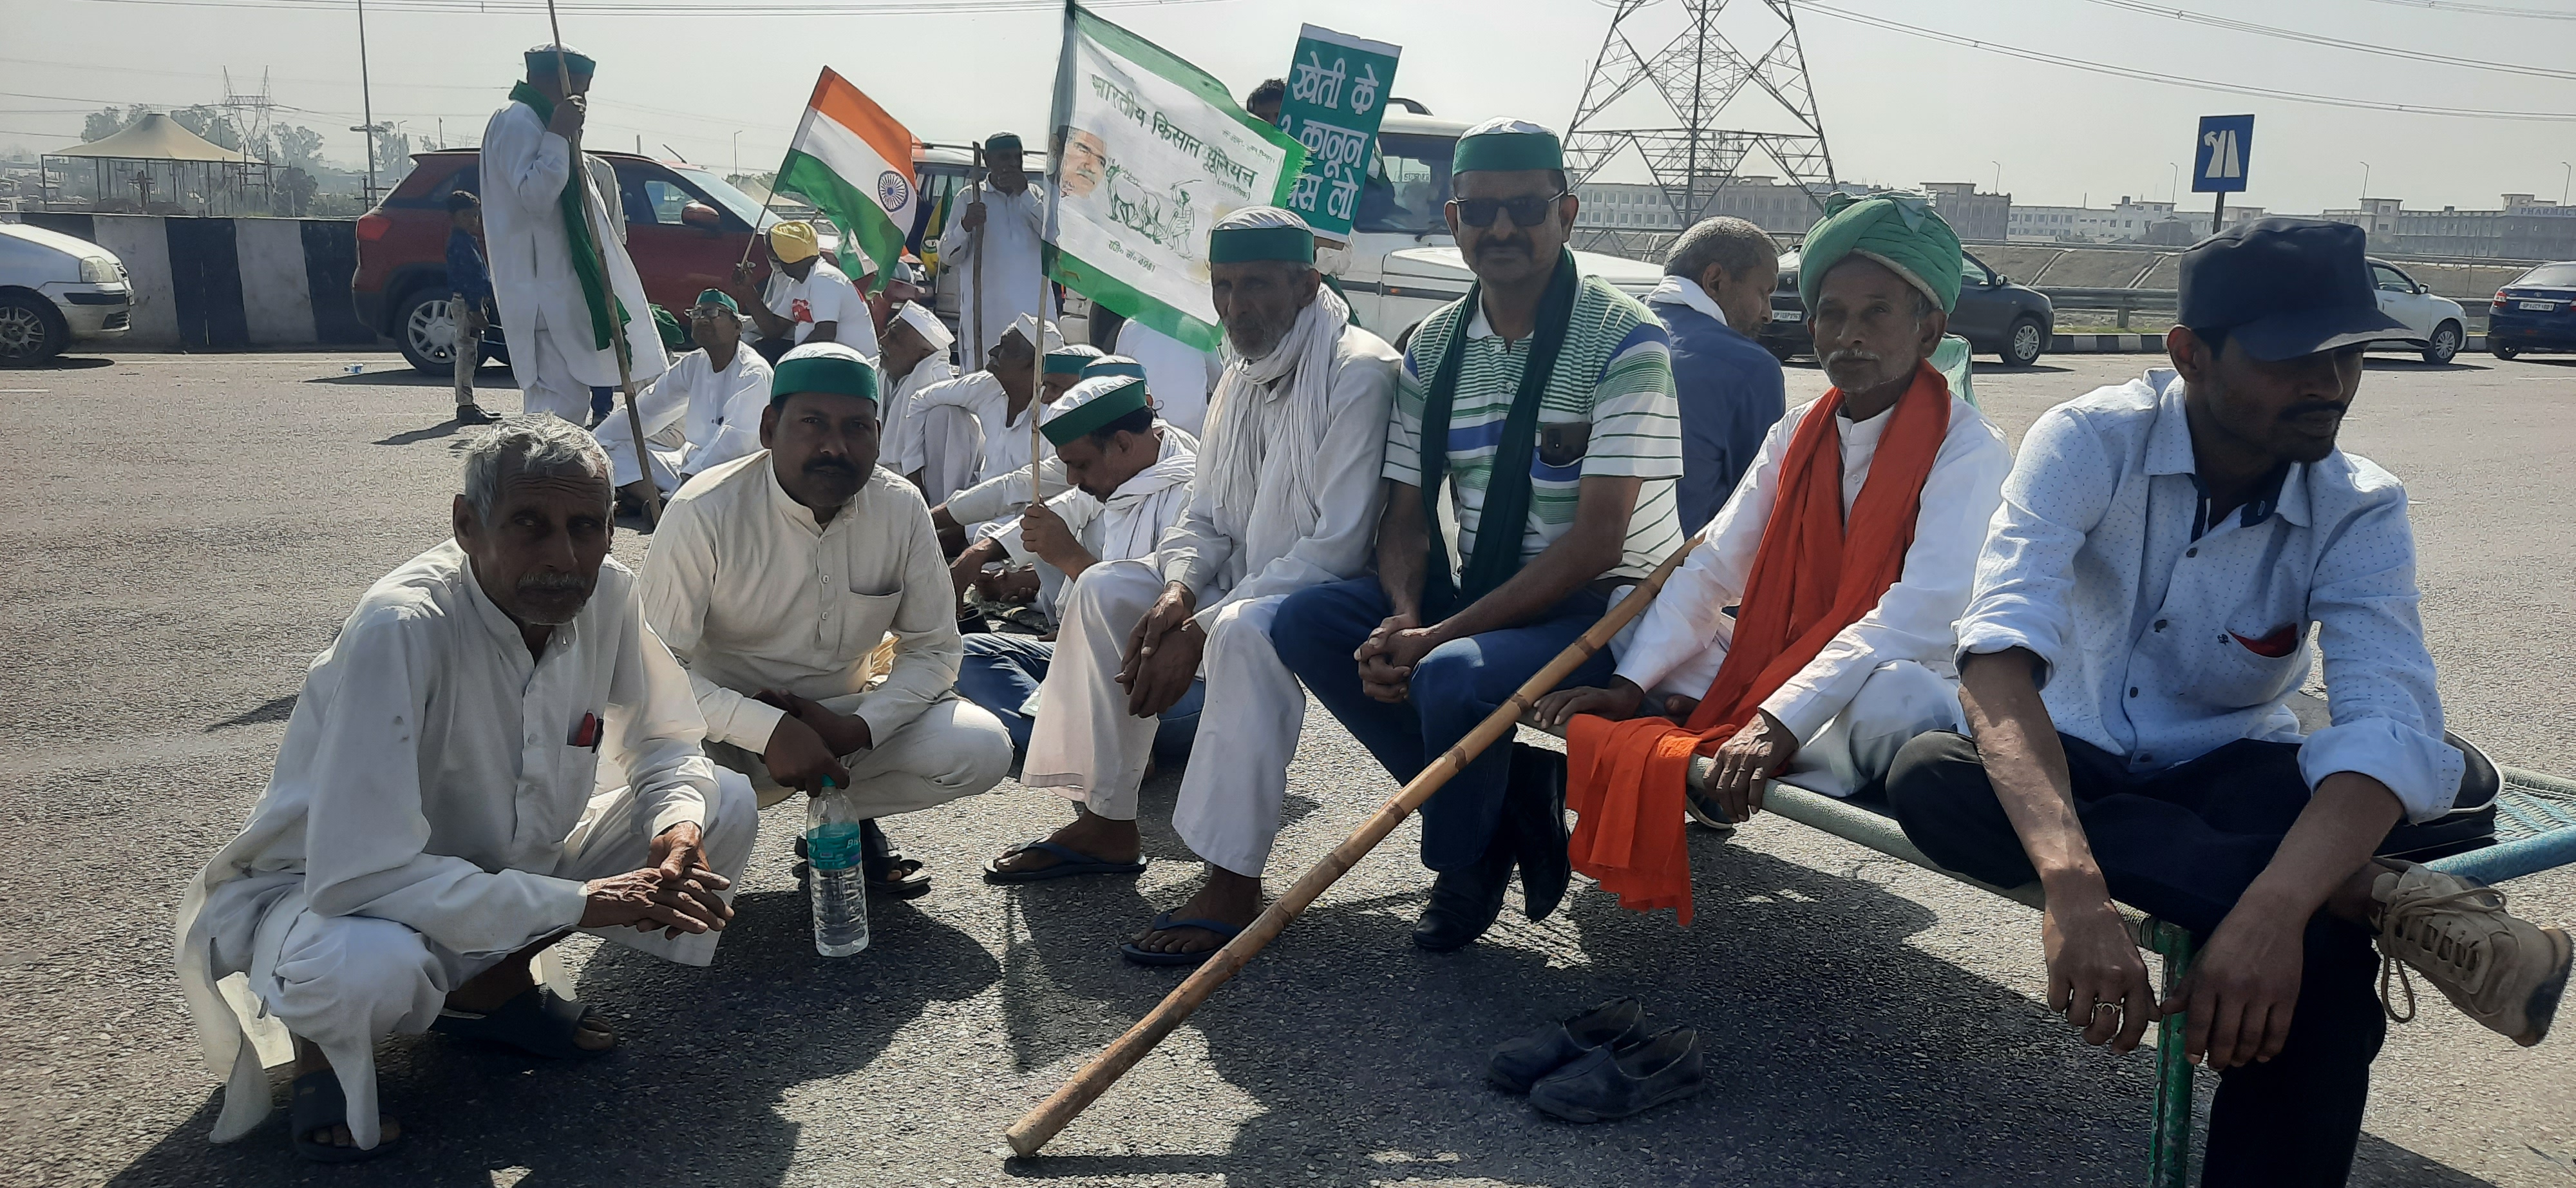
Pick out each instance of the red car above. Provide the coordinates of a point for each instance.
(685, 228)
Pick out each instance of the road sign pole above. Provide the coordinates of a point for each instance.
(2218, 214)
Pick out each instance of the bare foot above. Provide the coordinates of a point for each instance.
(1226, 897)
(1089, 833)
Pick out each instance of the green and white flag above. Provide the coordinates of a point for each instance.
(1150, 152)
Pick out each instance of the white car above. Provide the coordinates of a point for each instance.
(1402, 262)
(56, 290)
(2438, 323)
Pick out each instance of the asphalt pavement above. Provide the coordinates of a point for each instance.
(186, 532)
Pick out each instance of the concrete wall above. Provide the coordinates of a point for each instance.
(229, 284)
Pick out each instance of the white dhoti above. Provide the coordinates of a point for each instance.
(667, 446)
(1898, 700)
(952, 447)
(1087, 747)
(345, 983)
(955, 748)
(549, 384)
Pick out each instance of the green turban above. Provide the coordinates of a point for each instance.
(1898, 230)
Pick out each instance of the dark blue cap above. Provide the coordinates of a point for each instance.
(2285, 288)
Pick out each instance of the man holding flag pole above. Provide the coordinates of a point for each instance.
(992, 242)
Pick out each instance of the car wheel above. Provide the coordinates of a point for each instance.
(2444, 344)
(2024, 343)
(2501, 351)
(427, 334)
(31, 330)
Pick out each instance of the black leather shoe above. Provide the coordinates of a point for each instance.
(1534, 816)
(1519, 1063)
(1464, 903)
(1602, 1084)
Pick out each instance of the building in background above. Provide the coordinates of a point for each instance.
(1978, 218)
(2524, 228)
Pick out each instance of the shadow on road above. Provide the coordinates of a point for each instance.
(64, 363)
(448, 428)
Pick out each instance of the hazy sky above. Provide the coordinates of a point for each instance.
(1898, 108)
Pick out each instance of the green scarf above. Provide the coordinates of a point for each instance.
(1507, 493)
(585, 251)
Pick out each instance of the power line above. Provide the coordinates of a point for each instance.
(2230, 23)
(2179, 80)
(2481, 9)
(775, 8)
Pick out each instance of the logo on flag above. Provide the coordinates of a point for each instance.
(854, 163)
(893, 192)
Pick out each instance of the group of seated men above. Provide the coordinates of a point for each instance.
(2069, 667)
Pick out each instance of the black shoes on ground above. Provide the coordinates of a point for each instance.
(1530, 834)
(1601, 1064)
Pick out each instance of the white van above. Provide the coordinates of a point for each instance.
(1402, 262)
(56, 290)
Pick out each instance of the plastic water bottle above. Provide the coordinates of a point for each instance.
(839, 887)
(354, 369)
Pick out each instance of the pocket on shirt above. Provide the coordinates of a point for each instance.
(2247, 666)
(865, 619)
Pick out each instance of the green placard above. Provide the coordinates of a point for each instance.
(1337, 92)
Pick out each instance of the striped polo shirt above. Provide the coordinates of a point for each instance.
(1614, 371)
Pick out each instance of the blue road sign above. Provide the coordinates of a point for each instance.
(2219, 158)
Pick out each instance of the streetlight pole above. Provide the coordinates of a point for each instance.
(737, 153)
(2565, 171)
(1999, 175)
(2365, 185)
(367, 102)
(2173, 182)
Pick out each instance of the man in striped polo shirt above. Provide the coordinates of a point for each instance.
(1544, 400)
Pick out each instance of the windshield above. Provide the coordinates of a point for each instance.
(2559, 275)
(1408, 185)
(733, 200)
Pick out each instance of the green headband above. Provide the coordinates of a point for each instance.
(1067, 362)
(718, 297)
(841, 377)
(542, 62)
(1234, 245)
(1101, 367)
(1087, 418)
(674, 335)
(1001, 142)
(1506, 151)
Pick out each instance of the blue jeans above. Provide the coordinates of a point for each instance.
(602, 400)
(1002, 672)
(1453, 688)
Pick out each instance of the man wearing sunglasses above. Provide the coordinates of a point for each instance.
(703, 412)
(1544, 400)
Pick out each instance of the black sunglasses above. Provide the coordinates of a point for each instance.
(1527, 211)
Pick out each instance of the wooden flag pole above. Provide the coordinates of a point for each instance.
(1040, 1124)
(976, 195)
(607, 285)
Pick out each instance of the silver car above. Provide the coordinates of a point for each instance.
(56, 290)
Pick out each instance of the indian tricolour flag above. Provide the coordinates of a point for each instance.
(854, 163)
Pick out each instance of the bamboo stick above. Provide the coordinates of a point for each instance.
(1050, 1116)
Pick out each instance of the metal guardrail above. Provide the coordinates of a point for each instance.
(2122, 302)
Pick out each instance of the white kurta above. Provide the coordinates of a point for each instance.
(1179, 375)
(431, 784)
(752, 594)
(717, 411)
(1085, 744)
(524, 170)
(902, 449)
(1885, 678)
(825, 295)
(1006, 438)
(1014, 279)
(1127, 525)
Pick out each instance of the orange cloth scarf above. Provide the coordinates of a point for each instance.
(1627, 779)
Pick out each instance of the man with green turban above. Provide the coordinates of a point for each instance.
(702, 413)
(1000, 221)
(549, 231)
(1887, 482)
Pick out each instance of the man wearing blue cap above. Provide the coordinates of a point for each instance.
(548, 230)
(784, 664)
(2143, 607)
(703, 412)
(1543, 403)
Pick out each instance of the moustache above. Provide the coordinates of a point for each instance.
(1489, 246)
(831, 465)
(1851, 355)
(2308, 408)
(553, 583)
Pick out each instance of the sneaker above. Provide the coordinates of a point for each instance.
(2504, 972)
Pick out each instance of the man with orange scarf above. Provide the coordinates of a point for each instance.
(1845, 553)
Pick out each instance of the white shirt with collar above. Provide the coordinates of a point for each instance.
(2161, 647)
(715, 409)
(1123, 527)
(434, 770)
(1674, 290)
(1006, 438)
(825, 295)
(1679, 644)
(899, 426)
(751, 593)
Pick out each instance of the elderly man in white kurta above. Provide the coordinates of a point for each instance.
(985, 413)
(776, 577)
(555, 309)
(494, 752)
(1002, 224)
(1285, 497)
(915, 357)
(709, 401)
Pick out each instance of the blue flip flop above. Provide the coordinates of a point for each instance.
(1071, 862)
(1164, 921)
(316, 1101)
(535, 1021)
